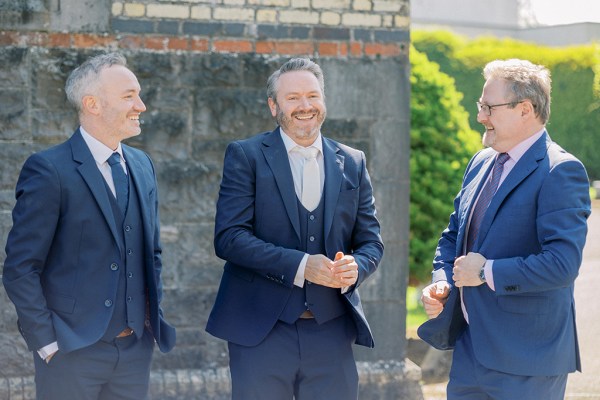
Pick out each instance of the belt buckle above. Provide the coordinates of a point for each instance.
(307, 315)
(125, 332)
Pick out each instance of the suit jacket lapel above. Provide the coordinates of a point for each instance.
(524, 167)
(469, 197)
(94, 179)
(136, 170)
(334, 170)
(277, 158)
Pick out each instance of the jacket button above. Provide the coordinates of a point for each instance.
(312, 238)
(108, 303)
(114, 266)
(129, 251)
(127, 228)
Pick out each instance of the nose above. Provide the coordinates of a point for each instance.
(139, 105)
(305, 103)
(481, 116)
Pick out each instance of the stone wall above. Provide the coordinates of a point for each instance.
(203, 67)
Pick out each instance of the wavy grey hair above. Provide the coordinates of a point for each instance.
(526, 81)
(84, 80)
(295, 64)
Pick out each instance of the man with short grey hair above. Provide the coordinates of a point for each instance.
(83, 258)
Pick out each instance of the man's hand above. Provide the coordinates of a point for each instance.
(434, 297)
(334, 274)
(466, 270)
(50, 357)
(345, 269)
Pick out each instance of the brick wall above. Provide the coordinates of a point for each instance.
(319, 28)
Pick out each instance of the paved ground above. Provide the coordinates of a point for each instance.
(585, 385)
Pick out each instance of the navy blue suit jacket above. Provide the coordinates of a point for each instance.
(257, 232)
(63, 241)
(534, 230)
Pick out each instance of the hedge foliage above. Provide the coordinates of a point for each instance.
(441, 145)
(575, 117)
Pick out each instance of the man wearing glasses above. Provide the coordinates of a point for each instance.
(513, 247)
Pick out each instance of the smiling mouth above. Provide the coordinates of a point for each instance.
(305, 117)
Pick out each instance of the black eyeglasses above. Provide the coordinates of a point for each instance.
(487, 109)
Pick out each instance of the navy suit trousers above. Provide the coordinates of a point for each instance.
(107, 370)
(303, 361)
(469, 380)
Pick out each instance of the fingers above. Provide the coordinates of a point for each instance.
(345, 269)
(434, 297)
(50, 357)
(340, 273)
(319, 270)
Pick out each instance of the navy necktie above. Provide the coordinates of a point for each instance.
(485, 198)
(120, 181)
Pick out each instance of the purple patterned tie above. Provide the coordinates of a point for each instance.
(485, 197)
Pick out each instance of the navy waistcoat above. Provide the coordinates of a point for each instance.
(129, 303)
(325, 303)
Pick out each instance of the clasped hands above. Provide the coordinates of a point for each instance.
(340, 273)
(465, 273)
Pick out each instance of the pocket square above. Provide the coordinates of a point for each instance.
(442, 331)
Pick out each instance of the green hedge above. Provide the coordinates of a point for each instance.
(575, 117)
(441, 145)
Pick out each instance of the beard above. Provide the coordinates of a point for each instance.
(290, 127)
(489, 139)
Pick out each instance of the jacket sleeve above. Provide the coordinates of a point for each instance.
(35, 219)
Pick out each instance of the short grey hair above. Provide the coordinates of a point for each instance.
(295, 64)
(83, 80)
(526, 81)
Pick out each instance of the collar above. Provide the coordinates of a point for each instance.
(99, 150)
(290, 144)
(517, 152)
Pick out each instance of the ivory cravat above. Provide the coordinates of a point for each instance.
(120, 181)
(485, 198)
(311, 178)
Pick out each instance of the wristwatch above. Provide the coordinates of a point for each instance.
(482, 274)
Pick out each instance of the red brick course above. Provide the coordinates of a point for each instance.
(154, 42)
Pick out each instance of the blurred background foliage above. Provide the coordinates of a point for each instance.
(441, 144)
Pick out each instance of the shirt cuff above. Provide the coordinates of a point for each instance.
(45, 351)
(489, 274)
(299, 279)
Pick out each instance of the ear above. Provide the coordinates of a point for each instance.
(272, 107)
(527, 109)
(90, 104)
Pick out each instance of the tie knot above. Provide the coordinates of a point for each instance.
(307, 152)
(114, 159)
(502, 158)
